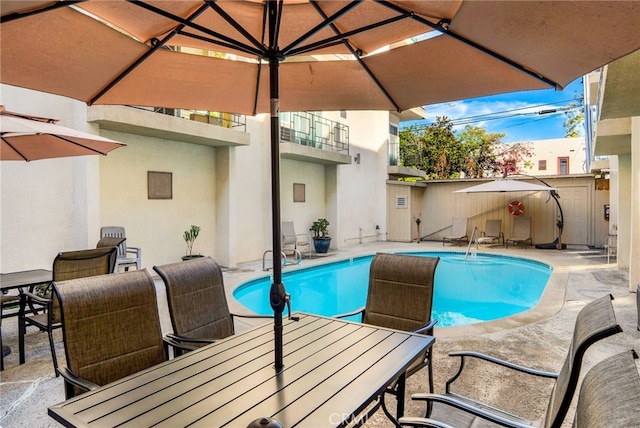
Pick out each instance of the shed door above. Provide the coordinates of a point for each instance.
(575, 208)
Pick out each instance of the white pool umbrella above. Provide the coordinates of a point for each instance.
(505, 185)
(27, 138)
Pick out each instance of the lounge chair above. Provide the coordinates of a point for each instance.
(295, 241)
(594, 322)
(400, 297)
(197, 303)
(492, 233)
(458, 231)
(521, 231)
(67, 265)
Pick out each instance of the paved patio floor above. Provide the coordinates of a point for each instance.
(537, 338)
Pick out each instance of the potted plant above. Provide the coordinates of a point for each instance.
(321, 240)
(190, 237)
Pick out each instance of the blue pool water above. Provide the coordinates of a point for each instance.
(481, 288)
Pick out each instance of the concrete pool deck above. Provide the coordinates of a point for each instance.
(537, 338)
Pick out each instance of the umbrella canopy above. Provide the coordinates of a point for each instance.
(27, 138)
(258, 56)
(505, 186)
(334, 55)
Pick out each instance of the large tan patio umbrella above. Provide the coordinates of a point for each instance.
(259, 56)
(27, 138)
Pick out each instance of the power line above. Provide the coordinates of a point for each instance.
(505, 114)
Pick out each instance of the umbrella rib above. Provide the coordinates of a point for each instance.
(186, 22)
(327, 21)
(75, 143)
(212, 41)
(322, 43)
(356, 55)
(443, 27)
(213, 5)
(154, 47)
(273, 46)
(14, 149)
(18, 15)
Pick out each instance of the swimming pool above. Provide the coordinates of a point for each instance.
(484, 287)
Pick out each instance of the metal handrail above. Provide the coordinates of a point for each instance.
(473, 235)
(285, 260)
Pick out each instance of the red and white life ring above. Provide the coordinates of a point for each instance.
(516, 208)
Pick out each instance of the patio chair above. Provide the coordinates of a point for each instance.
(492, 233)
(299, 241)
(111, 328)
(197, 303)
(610, 393)
(594, 322)
(521, 231)
(127, 256)
(458, 231)
(400, 297)
(66, 265)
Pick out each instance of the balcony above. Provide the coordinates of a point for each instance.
(312, 138)
(172, 125)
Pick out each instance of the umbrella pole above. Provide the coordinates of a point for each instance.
(277, 294)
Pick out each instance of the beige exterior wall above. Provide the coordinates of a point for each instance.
(47, 206)
(357, 200)
(157, 225)
(59, 205)
(440, 205)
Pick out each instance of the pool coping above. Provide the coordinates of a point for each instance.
(550, 303)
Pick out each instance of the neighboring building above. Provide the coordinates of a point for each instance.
(613, 97)
(560, 156)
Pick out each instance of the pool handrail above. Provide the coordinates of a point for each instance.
(473, 235)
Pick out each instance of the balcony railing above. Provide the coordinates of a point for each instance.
(309, 129)
(225, 120)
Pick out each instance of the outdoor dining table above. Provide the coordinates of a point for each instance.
(333, 369)
(24, 279)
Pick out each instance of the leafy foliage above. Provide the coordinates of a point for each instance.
(190, 236)
(319, 228)
(475, 153)
(574, 123)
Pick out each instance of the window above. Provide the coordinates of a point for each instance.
(343, 114)
(542, 165)
(563, 166)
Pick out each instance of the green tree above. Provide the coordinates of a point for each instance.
(437, 150)
(433, 149)
(574, 122)
(480, 148)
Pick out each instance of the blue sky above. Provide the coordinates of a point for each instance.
(524, 123)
